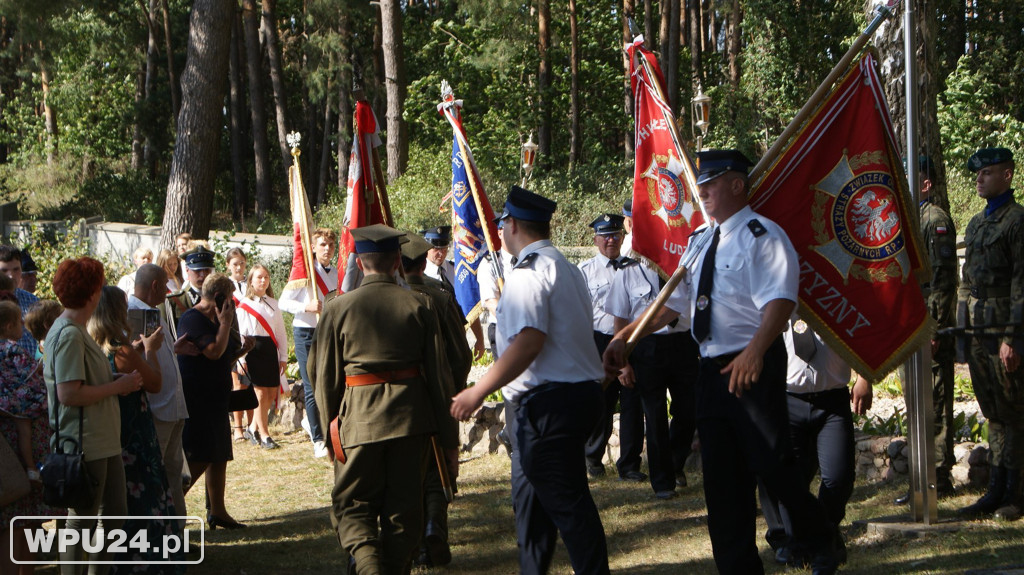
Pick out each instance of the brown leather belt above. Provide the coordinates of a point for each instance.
(380, 377)
(338, 452)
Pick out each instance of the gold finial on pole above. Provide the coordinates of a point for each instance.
(293, 142)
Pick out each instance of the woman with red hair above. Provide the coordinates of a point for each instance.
(81, 388)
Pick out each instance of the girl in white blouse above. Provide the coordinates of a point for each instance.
(259, 318)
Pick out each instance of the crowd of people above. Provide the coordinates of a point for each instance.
(384, 365)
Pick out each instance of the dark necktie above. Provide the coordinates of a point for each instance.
(616, 264)
(803, 341)
(702, 317)
(444, 279)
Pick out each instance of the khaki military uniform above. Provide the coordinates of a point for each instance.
(384, 427)
(460, 360)
(940, 244)
(992, 292)
(183, 301)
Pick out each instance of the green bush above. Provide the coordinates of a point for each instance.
(49, 249)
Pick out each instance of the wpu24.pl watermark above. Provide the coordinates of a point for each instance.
(119, 546)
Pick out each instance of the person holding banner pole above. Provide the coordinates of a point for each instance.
(306, 308)
(741, 288)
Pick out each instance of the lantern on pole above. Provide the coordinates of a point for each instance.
(701, 105)
(529, 156)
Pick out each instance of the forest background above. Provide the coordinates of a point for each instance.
(175, 112)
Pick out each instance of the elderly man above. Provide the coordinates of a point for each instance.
(167, 405)
(741, 289)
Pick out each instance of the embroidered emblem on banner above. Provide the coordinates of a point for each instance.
(856, 221)
(666, 190)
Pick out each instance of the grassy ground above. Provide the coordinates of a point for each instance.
(283, 495)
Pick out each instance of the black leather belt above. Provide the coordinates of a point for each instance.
(722, 360)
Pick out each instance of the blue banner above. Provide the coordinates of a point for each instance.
(467, 235)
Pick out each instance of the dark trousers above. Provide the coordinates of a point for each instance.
(942, 402)
(631, 422)
(659, 363)
(743, 439)
(550, 495)
(821, 432)
(303, 341)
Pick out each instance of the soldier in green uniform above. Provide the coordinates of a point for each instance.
(378, 366)
(992, 296)
(435, 549)
(939, 236)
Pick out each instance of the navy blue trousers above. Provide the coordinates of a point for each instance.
(821, 433)
(550, 495)
(631, 422)
(741, 440)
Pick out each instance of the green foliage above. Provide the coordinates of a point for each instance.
(50, 248)
(969, 428)
(962, 388)
(894, 425)
(128, 197)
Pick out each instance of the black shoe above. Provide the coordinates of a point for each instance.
(254, 437)
(269, 443)
(680, 479)
(216, 522)
(665, 495)
(595, 471)
(902, 499)
(437, 544)
(633, 476)
(1013, 497)
(783, 555)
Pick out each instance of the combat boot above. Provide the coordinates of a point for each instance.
(992, 498)
(1010, 507)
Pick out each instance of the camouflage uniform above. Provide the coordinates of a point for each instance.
(940, 243)
(993, 291)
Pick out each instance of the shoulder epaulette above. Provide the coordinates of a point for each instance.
(756, 228)
(518, 263)
(698, 231)
(625, 262)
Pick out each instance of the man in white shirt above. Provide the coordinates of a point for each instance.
(490, 291)
(140, 257)
(442, 269)
(167, 405)
(306, 304)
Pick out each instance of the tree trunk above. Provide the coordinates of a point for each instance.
(628, 8)
(345, 110)
(544, 78)
(733, 39)
(378, 100)
(890, 43)
(394, 74)
(649, 21)
(663, 30)
(137, 135)
(149, 87)
(172, 79)
(49, 113)
(575, 134)
(325, 153)
(696, 40)
(671, 61)
(189, 202)
(260, 147)
(239, 161)
(269, 29)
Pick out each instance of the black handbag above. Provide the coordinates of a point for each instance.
(66, 481)
(243, 399)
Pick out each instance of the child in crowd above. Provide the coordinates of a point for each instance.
(18, 370)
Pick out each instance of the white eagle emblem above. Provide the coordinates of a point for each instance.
(872, 222)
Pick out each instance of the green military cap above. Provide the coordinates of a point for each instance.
(415, 248)
(988, 157)
(377, 238)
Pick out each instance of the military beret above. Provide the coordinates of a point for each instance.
(28, 265)
(376, 239)
(607, 224)
(439, 236)
(525, 205)
(714, 163)
(627, 208)
(198, 258)
(415, 248)
(988, 157)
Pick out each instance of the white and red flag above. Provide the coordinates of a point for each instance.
(665, 206)
(366, 202)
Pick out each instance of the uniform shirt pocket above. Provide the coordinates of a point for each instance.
(729, 273)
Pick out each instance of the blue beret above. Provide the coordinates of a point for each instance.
(607, 224)
(989, 157)
(714, 163)
(527, 206)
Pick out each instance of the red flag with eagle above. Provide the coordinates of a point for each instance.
(363, 203)
(840, 193)
(665, 207)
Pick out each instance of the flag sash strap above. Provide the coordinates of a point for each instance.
(259, 319)
(839, 191)
(320, 283)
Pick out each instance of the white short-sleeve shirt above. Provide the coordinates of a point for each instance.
(825, 371)
(544, 291)
(599, 273)
(634, 289)
(755, 263)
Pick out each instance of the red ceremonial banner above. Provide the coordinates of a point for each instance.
(362, 205)
(665, 207)
(840, 192)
